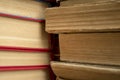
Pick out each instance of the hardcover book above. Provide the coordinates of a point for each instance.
(97, 48)
(65, 3)
(22, 24)
(78, 71)
(91, 17)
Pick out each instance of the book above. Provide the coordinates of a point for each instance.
(77, 71)
(24, 58)
(22, 24)
(24, 45)
(91, 17)
(25, 8)
(98, 48)
(65, 3)
(22, 33)
(38, 74)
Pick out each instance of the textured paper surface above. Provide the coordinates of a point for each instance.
(98, 17)
(13, 58)
(77, 71)
(24, 75)
(21, 33)
(98, 48)
(27, 8)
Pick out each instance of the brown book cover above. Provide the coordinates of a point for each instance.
(98, 48)
(77, 71)
(92, 17)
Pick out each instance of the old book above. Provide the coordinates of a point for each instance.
(24, 58)
(79, 71)
(22, 33)
(92, 17)
(99, 48)
(65, 3)
(27, 32)
(25, 8)
(37, 74)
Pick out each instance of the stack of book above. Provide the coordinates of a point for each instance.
(24, 49)
(89, 39)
